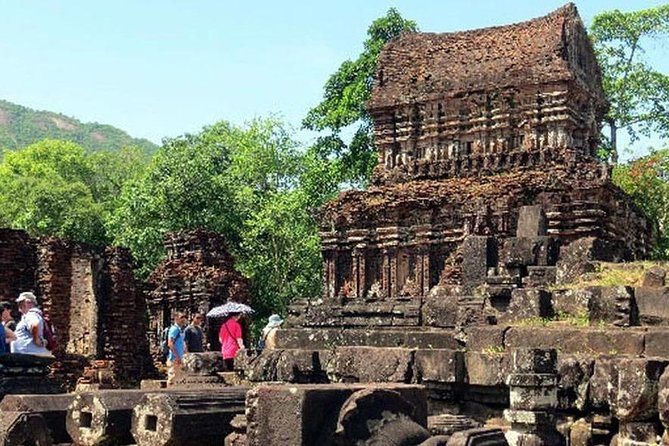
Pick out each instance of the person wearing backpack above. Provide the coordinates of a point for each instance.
(177, 347)
(267, 340)
(30, 329)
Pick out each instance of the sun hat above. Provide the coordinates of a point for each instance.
(274, 321)
(27, 295)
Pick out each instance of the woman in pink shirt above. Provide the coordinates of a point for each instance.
(230, 336)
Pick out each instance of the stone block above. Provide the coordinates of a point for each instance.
(526, 251)
(653, 305)
(577, 340)
(638, 380)
(482, 436)
(654, 277)
(663, 398)
(578, 258)
(302, 366)
(638, 433)
(532, 392)
(487, 369)
(439, 310)
(308, 414)
(603, 384)
(369, 364)
(539, 276)
(528, 303)
(574, 372)
(205, 363)
(572, 301)
(438, 365)
(485, 337)
(478, 253)
(657, 343)
(531, 221)
(534, 360)
(613, 305)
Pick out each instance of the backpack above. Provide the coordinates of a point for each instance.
(49, 334)
(261, 344)
(164, 346)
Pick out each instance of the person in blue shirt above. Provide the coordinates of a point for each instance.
(176, 344)
(30, 329)
(8, 326)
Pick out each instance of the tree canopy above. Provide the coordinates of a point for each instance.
(638, 93)
(344, 97)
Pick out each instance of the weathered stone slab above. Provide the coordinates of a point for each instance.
(574, 372)
(653, 304)
(308, 414)
(444, 366)
(657, 343)
(524, 251)
(577, 258)
(105, 416)
(53, 408)
(327, 338)
(572, 301)
(190, 418)
(485, 337)
(654, 278)
(531, 221)
(614, 305)
(577, 340)
(369, 365)
(478, 253)
(302, 366)
(23, 428)
(440, 311)
(487, 369)
(205, 363)
(528, 303)
(478, 437)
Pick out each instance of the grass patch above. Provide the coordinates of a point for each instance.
(615, 274)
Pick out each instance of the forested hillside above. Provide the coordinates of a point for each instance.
(21, 126)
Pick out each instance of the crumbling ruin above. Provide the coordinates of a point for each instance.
(456, 269)
(94, 300)
(197, 274)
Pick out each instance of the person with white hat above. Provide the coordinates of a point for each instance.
(30, 329)
(268, 339)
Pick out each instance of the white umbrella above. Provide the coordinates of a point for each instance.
(228, 308)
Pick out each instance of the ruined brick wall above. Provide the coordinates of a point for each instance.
(94, 300)
(197, 274)
(17, 263)
(122, 318)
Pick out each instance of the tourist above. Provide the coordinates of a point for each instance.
(268, 339)
(30, 329)
(176, 345)
(6, 330)
(230, 336)
(194, 336)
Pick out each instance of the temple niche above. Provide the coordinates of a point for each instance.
(486, 175)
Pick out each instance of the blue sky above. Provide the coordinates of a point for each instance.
(163, 68)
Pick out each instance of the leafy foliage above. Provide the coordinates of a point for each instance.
(345, 95)
(639, 94)
(646, 181)
(56, 188)
(249, 183)
(21, 126)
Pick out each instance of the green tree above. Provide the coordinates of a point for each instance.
(646, 180)
(343, 106)
(251, 184)
(45, 190)
(639, 94)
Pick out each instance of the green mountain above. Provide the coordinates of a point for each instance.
(21, 126)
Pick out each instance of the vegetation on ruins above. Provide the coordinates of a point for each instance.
(637, 92)
(343, 106)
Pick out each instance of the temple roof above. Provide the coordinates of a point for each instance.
(421, 66)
